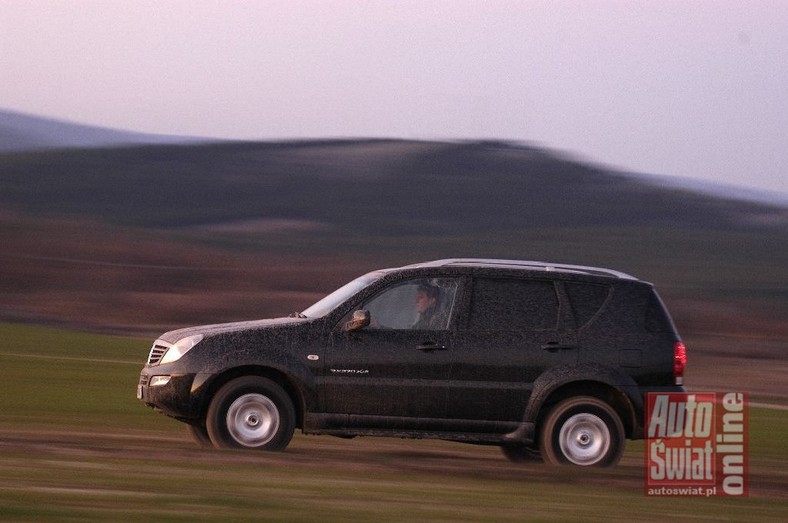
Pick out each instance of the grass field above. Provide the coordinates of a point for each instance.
(76, 445)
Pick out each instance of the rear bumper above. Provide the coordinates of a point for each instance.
(640, 410)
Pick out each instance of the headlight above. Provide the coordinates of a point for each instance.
(179, 348)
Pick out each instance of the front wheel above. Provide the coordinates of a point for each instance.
(583, 431)
(200, 435)
(251, 413)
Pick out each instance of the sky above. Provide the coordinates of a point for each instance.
(687, 88)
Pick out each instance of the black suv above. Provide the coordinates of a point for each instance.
(538, 358)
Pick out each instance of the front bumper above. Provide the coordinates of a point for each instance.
(179, 397)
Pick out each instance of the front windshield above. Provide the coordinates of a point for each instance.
(339, 296)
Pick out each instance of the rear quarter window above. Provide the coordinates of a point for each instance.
(657, 319)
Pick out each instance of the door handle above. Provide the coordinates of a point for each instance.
(429, 346)
(554, 346)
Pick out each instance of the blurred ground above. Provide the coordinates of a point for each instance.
(344, 468)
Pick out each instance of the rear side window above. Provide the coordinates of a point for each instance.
(510, 304)
(586, 300)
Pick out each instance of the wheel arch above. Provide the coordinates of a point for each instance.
(599, 382)
(283, 379)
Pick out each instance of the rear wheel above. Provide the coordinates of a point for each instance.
(582, 431)
(251, 413)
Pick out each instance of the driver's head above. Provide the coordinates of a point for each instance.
(426, 297)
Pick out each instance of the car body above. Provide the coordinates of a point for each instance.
(541, 359)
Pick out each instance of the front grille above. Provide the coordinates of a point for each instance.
(156, 353)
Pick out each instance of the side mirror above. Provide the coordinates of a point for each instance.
(359, 320)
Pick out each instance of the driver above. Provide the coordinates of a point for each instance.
(428, 307)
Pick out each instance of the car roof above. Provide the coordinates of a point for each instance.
(523, 265)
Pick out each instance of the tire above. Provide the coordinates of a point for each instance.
(200, 435)
(518, 453)
(582, 431)
(251, 413)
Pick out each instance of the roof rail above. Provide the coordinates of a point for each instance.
(523, 264)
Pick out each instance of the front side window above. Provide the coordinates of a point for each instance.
(423, 304)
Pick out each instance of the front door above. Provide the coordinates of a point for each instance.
(395, 370)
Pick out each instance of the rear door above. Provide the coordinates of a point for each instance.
(514, 329)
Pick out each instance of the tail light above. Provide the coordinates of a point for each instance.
(679, 362)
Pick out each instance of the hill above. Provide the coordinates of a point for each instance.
(372, 187)
(22, 132)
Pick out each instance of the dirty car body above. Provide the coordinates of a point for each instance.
(541, 359)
